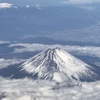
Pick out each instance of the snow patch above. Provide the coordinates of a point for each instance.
(5, 5)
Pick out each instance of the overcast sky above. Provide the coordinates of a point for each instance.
(50, 2)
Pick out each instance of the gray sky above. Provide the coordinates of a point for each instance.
(49, 2)
(33, 2)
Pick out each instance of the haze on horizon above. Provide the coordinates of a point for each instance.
(50, 2)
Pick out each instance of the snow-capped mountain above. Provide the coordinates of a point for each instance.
(6, 5)
(58, 65)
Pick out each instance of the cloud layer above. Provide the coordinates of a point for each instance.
(7, 62)
(82, 50)
(3, 42)
(27, 89)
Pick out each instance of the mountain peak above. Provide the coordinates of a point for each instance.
(5, 5)
(54, 48)
(57, 65)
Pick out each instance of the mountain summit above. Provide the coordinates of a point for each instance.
(6, 5)
(57, 65)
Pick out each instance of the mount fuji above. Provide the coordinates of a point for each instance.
(57, 65)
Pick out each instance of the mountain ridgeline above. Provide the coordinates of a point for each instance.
(18, 20)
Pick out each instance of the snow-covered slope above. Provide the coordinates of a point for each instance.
(6, 5)
(58, 65)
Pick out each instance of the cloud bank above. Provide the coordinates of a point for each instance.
(7, 62)
(82, 50)
(27, 89)
(4, 42)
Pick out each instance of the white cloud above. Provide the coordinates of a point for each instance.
(45, 90)
(80, 1)
(7, 62)
(82, 50)
(3, 42)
